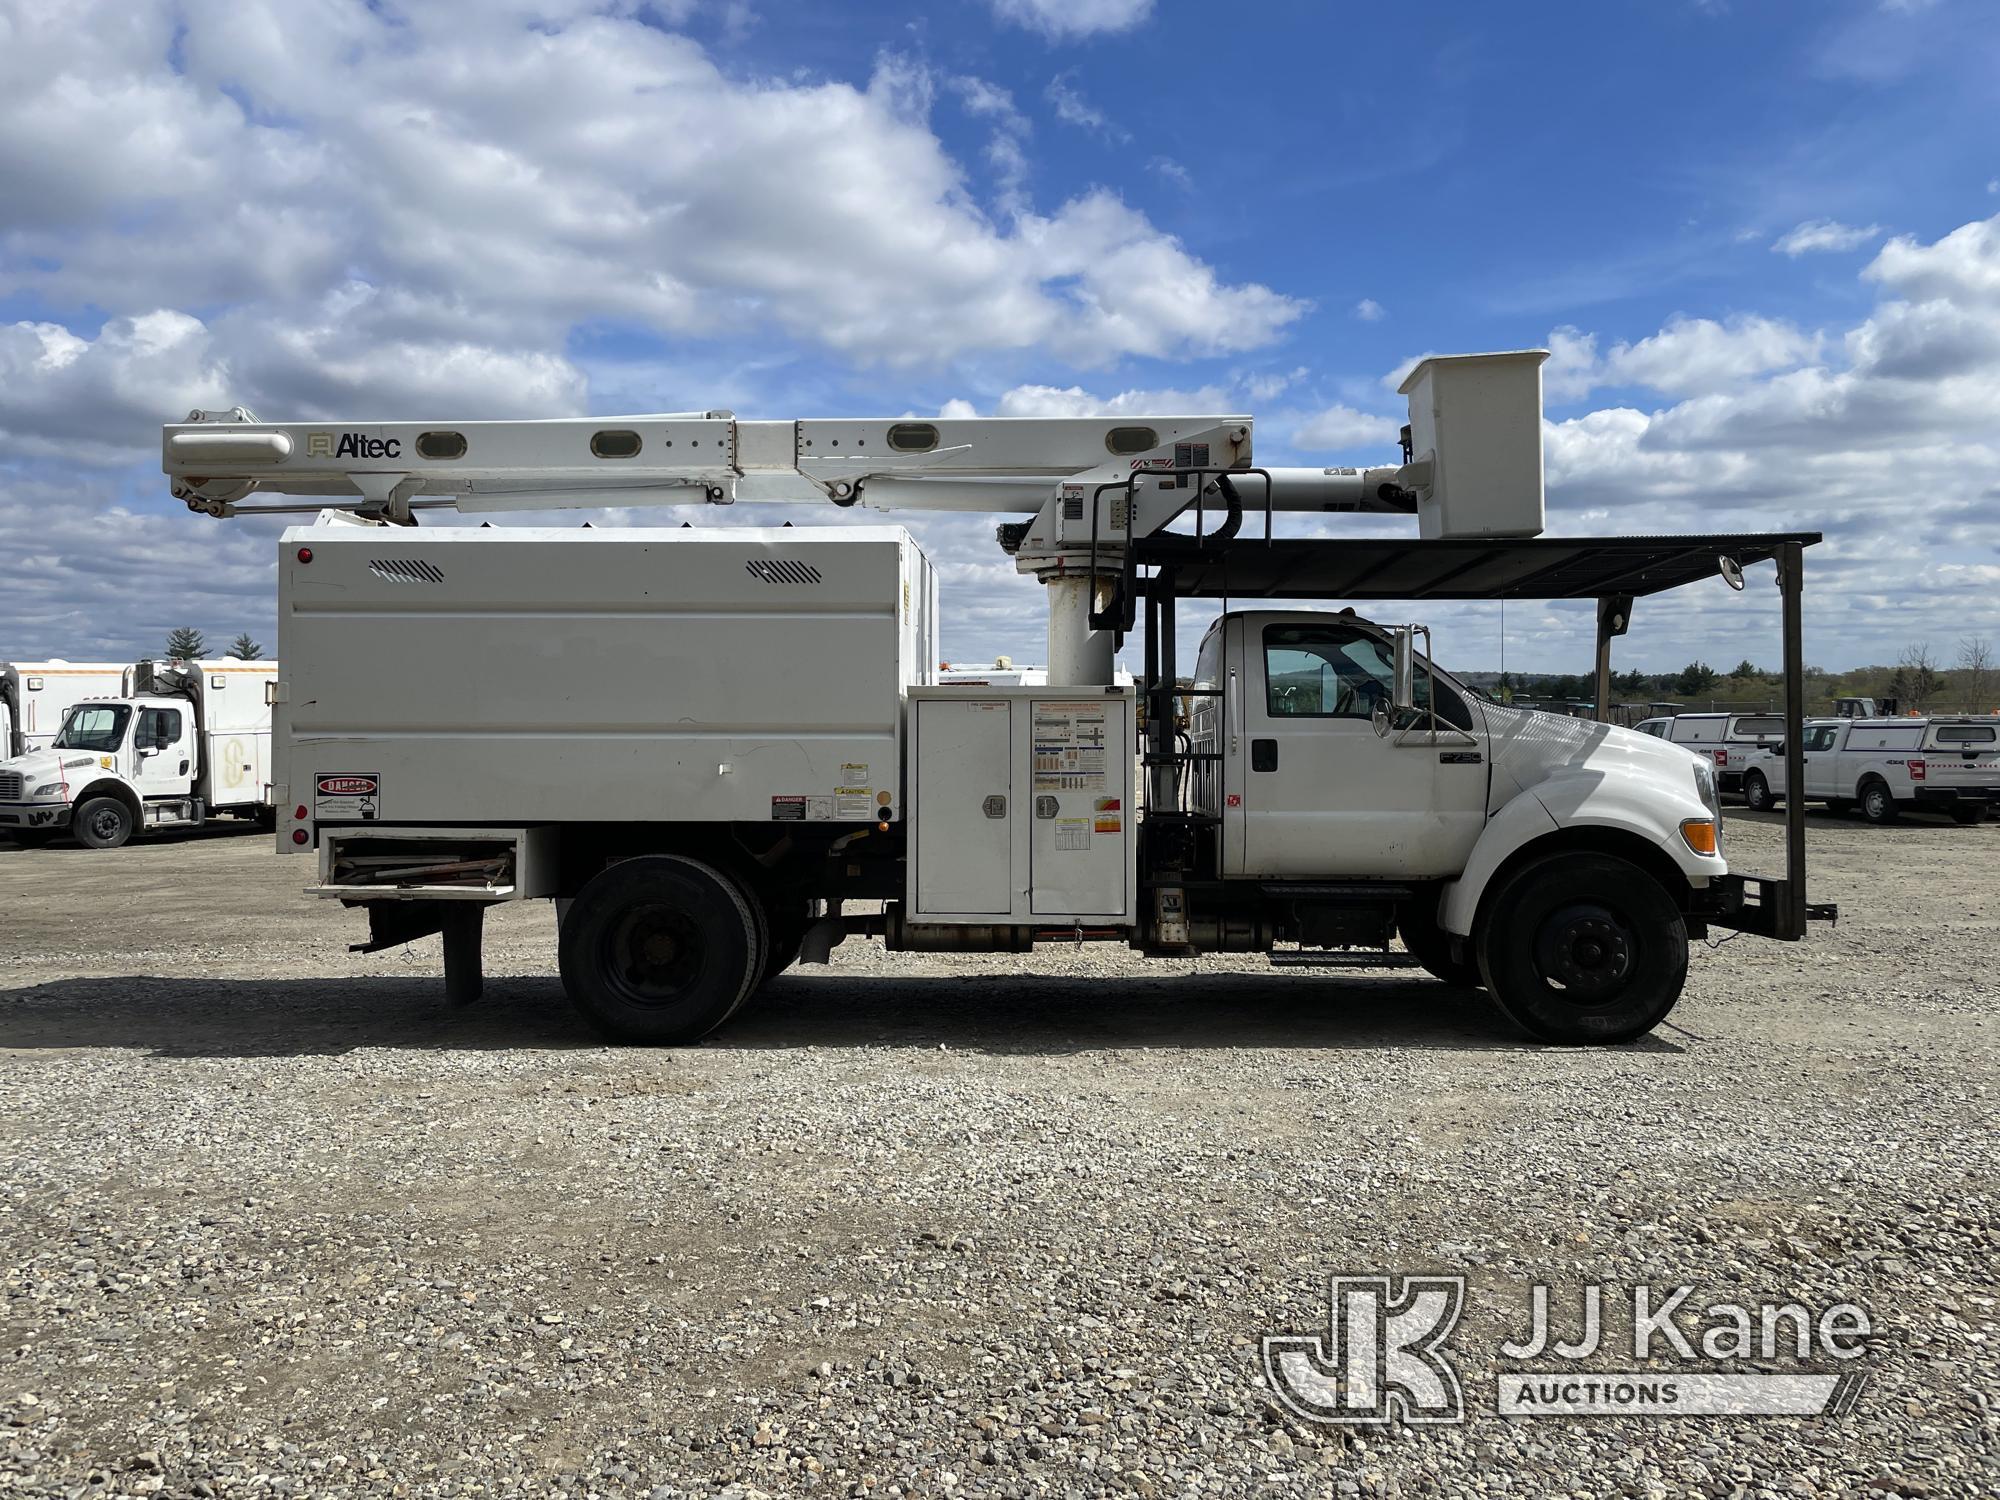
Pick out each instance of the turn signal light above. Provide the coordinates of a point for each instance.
(1700, 835)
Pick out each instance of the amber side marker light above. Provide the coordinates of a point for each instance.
(1700, 835)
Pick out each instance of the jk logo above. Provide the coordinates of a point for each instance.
(1382, 1358)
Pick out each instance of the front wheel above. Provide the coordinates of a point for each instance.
(1757, 792)
(102, 823)
(660, 949)
(1583, 948)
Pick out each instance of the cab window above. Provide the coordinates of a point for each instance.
(158, 729)
(1338, 672)
(1819, 739)
(94, 726)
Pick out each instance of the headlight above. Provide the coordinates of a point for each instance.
(1704, 788)
(52, 789)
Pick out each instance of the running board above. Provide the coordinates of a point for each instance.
(1349, 960)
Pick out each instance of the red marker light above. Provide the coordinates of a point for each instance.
(305, 554)
(300, 812)
(299, 835)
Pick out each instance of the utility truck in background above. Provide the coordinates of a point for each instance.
(721, 750)
(34, 696)
(1946, 763)
(173, 745)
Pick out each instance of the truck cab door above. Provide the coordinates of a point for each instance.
(1315, 791)
(162, 753)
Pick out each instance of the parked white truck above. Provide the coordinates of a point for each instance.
(176, 744)
(1730, 740)
(1947, 764)
(718, 750)
(34, 696)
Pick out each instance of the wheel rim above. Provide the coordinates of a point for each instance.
(105, 823)
(656, 955)
(1586, 953)
(1876, 802)
(1758, 793)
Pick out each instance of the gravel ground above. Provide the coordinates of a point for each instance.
(274, 1220)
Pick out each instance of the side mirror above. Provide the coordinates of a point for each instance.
(1406, 671)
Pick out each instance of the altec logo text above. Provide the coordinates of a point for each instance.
(351, 445)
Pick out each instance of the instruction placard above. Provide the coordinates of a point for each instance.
(1069, 747)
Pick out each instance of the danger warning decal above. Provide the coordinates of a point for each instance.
(347, 796)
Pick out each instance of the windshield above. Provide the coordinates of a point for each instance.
(93, 726)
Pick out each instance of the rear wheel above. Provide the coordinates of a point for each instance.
(1582, 948)
(102, 823)
(660, 949)
(1757, 792)
(1431, 946)
(1965, 814)
(1877, 805)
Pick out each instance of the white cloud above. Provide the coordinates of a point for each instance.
(1699, 354)
(1823, 234)
(1368, 310)
(1074, 401)
(1688, 356)
(1341, 427)
(1172, 173)
(551, 172)
(1060, 19)
(1067, 100)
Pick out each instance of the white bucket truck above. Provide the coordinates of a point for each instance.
(177, 744)
(34, 696)
(720, 750)
(1947, 763)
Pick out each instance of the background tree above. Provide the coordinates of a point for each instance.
(245, 649)
(1975, 659)
(186, 644)
(1696, 677)
(1916, 680)
(1745, 669)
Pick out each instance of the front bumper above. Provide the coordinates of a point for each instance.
(32, 816)
(1757, 904)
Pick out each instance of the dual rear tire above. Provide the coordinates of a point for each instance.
(661, 949)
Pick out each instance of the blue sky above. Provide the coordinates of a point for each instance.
(1760, 238)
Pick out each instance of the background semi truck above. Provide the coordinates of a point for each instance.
(34, 696)
(747, 757)
(177, 744)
